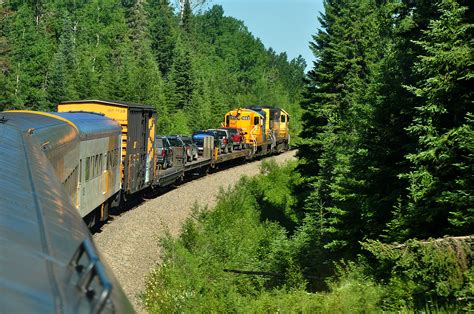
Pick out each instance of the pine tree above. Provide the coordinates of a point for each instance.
(441, 190)
(162, 33)
(186, 17)
(30, 51)
(335, 116)
(181, 77)
(61, 75)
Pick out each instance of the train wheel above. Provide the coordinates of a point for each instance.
(204, 171)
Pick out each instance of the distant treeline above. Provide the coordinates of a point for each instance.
(191, 67)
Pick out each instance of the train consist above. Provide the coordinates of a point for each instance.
(125, 163)
(77, 163)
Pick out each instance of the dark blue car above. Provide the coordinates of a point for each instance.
(198, 138)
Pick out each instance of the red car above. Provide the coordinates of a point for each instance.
(238, 137)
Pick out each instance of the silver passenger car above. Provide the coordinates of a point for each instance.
(48, 261)
(97, 163)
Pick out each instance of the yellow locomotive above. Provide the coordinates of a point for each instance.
(266, 128)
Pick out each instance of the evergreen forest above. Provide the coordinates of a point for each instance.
(192, 65)
(376, 214)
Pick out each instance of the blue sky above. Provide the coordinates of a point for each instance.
(284, 25)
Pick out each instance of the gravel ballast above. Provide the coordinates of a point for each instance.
(130, 243)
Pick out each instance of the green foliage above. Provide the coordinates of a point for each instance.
(274, 192)
(162, 33)
(235, 235)
(442, 172)
(192, 276)
(336, 118)
(387, 145)
(429, 273)
(351, 292)
(387, 140)
(141, 51)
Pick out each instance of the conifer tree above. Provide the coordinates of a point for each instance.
(181, 77)
(441, 177)
(61, 77)
(186, 17)
(162, 33)
(30, 52)
(334, 118)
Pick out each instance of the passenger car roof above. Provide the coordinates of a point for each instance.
(91, 125)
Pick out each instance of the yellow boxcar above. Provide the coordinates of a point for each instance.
(138, 135)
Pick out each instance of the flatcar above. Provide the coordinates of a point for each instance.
(48, 260)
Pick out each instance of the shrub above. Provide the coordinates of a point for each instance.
(429, 274)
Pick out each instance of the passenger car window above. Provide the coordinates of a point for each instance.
(256, 120)
(87, 168)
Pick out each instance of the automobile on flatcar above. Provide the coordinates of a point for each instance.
(227, 144)
(176, 141)
(193, 149)
(164, 152)
(238, 137)
(198, 138)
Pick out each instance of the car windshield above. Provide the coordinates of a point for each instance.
(186, 140)
(232, 131)
(202, 132)
(174, 141)
(221, 133)
(159, 142)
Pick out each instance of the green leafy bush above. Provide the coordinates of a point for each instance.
(426, 274)
(291, 272)
(232, 236)
(236, 235)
